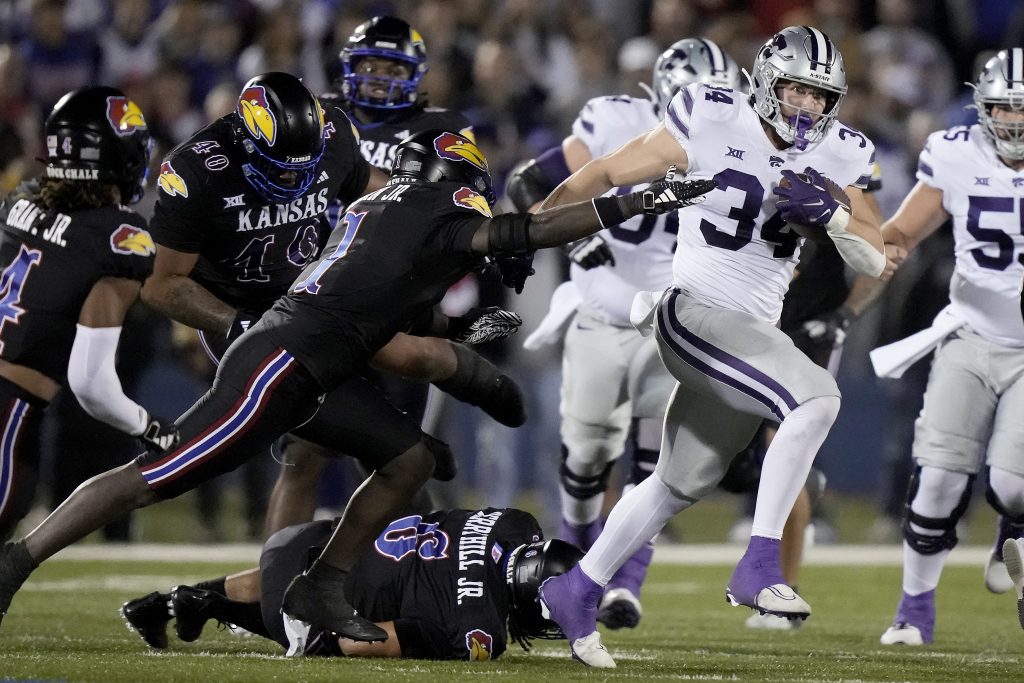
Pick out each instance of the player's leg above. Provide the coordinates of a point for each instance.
(595, 419)
(20, 419)
(1006, 468)
(293, 499)
(650, 386)
(950, 442)
(260, 392)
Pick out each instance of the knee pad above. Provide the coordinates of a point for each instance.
(1014, 517)
(583, 487)
(928, 544)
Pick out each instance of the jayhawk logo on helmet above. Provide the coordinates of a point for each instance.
(255, 113)
(480, 644)
(124, 115)
(471, 199)
(457, 148)
(170, 182)
(128, 239)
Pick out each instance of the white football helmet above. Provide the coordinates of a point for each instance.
(1002, 82)
(693, 60)
(800, 54)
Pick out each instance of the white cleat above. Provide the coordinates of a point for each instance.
(298, 633)
(902, 634)
(1013, 556)
(592, 652)
(771, 622)
(997, 578)
(778, 599)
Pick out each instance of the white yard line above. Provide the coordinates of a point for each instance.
(681, 554)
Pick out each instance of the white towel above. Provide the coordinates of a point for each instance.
(892, 360)
(645, 307)
(564, 302)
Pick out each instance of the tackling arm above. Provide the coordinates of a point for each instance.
(172, 292)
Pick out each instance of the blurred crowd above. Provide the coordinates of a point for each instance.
(520, 70)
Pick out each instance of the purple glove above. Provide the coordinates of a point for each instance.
(809, 198)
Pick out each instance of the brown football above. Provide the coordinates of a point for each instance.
(816, 233)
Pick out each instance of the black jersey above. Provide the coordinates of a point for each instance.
(249, 250)
(50, 263)
(441, 578)
(378, 140)
(392, 257)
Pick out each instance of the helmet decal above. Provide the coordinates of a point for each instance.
(124, 115)
(470, 199)
(128, 239)
(480, 645)
(170, 182)
(255, 113)
(457, 148)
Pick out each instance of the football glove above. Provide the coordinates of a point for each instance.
(511, 270)
(826, 331)
(159, 436)
(481, 325)
(669, 194)
(590, 253)
(811, 199)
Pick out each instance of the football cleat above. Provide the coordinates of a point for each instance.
(997, 579)
(191, 607)
(327, 608)
(757, 582)
(592, 652)
(571, 600)
(915, 621)
(770, 622)
(619, 609)
(1013, 556)
(148, 616)
(15, 566)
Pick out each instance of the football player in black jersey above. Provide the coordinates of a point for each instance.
(73, 261)
(381, 67)
(455, 584)
(392, 258)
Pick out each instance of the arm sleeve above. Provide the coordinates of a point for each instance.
(93, 378)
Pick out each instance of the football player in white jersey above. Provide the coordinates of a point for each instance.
(716, 325)
(971, 416)
(624, 396)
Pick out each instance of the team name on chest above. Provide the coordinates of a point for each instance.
(282, 214)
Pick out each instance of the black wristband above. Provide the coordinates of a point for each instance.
(609, 211)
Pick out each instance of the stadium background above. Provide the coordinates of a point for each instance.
(520, 70)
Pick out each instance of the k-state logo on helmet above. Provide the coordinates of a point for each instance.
(480, 645)
(128, 239)
(471, 199)
(124, 115)
(256, 115)
(170, 182)
(457, 148)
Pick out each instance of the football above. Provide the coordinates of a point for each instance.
(816, 233)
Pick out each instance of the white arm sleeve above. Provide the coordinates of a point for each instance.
(93, 378)
(855, 250)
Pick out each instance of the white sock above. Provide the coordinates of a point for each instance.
(581, 512)
(788, 461)
(636, 519)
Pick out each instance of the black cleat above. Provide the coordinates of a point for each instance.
(15, 566)
(191, 608)
(326, 607)
(148, 616)
(505, 402)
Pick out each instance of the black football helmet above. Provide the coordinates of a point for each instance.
(98, 134)
(438, 155)
(387, 38)
(280, 128)
(528, 567)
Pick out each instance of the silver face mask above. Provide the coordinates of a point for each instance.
(798, 54)
(693, 60)
(1002, 82)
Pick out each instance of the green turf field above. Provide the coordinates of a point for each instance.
(64, 626)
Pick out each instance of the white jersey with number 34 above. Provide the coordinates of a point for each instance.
(734, 250)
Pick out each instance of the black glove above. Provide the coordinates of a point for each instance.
(826, 331)
(512, 270)
(590, 252)
(159, 436)
(242, 322)
(480, 325)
